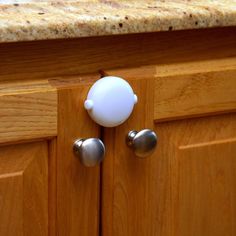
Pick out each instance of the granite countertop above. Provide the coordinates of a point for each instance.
(24, 20)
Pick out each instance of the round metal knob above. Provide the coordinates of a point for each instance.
(91, 151)
(143, 142)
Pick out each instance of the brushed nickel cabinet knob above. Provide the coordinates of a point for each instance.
(91, 151)
(143, 142)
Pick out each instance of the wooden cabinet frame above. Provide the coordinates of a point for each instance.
(47, 81)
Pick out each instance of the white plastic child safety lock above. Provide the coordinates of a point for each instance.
(110, 101)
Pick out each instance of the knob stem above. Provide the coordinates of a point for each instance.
(130, 137)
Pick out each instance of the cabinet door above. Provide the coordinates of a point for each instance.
(24, 189)
(44, 189)
(77, 186)
(28, 118)
(187, 187)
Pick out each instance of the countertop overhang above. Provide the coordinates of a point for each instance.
(39, 20)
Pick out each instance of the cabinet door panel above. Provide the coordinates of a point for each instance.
(186, 187)
(24, 189)
(206, 189)
(202, 175)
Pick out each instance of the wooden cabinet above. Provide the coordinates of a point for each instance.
(187, 186)
(27, 121)
(44, 189)
(186, 87)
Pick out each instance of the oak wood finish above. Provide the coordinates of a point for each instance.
(24, 189)
(202, 155)
(187, 187)
(123, 175)
(77, 186)
(139, 197)
(42, 59)
(28, 110)
(195, 94)
(209, 208)
(52, 187)
(189, 89)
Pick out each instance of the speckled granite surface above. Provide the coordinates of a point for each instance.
(23, 20)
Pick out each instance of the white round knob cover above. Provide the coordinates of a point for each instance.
(110, 101)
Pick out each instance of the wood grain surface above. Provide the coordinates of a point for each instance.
(78, 187)
(28, 111)
(188, 89)
(42, 59)
(187, 187)
(24, 189)
(125, 179)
